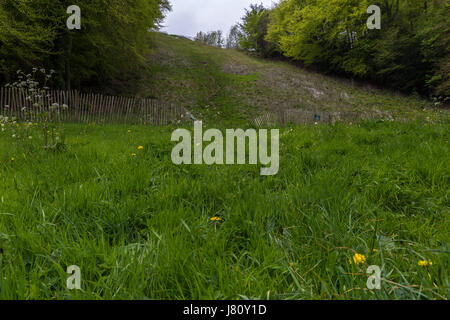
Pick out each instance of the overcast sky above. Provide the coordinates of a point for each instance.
(190, 16)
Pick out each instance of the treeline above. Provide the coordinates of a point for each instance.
(111, 44)
(411, 51)
(211, 38)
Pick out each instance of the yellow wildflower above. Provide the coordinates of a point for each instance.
(12, 159)
(424, 263)
(140, 147)
(129, 131)
(216, 218)
(375, 250)
(133, 154)
(358, 258)
(291, 264)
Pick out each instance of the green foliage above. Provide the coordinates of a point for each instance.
(112, 40)
(24, 37)
(324, 32)
(254, 29)
(409, 53)
(434, 36)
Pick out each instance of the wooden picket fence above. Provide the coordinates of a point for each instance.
(301, 116)
(90, 108)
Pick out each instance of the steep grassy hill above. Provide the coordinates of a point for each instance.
(232, 87)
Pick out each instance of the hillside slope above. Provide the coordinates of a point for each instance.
(230, 86)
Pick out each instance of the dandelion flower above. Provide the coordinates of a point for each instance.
(291, 264)
(216, 218)
(375, 250)
(133, 154)
(424, 263)
(358, 258)
(140, 148)
(129, 131)
(12, 159)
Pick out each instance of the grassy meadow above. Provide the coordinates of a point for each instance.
(347, 195)
(140, 227)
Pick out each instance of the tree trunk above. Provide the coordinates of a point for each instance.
(398, 7)
(388, 9)
(67, 58)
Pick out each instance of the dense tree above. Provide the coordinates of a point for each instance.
(323, 32)
(434, 35)
(24, 38)
(113, 37)
(254, 28)
(409, 53)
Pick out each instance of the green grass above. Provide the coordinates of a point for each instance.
(139, 227)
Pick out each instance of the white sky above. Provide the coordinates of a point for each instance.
(190, 16)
